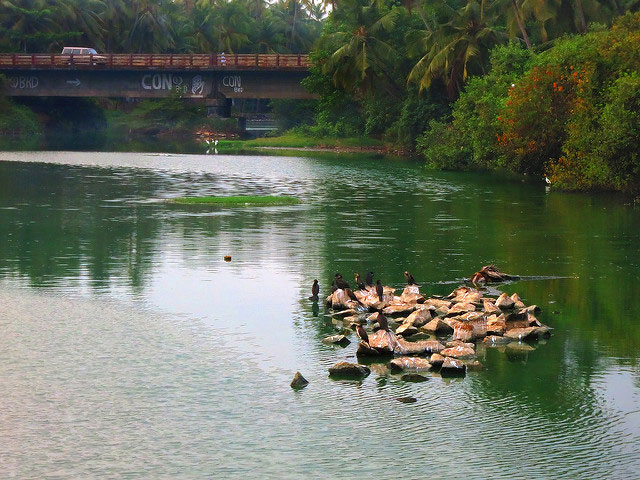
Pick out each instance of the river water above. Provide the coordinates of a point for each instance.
(130, 349)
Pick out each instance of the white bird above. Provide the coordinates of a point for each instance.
(206, 140)
(215, 143)
(547, 180)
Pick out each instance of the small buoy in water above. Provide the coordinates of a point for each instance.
(227, 258)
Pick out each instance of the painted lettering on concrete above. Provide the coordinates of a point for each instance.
(163, 81)
(23, 82)
(197, 85)
(233, 81)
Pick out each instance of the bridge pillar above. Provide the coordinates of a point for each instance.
(220, 107)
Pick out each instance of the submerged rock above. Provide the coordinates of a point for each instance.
(349, 370)
(415, 364)
(407, 399)
(336, 340)
(298, 381)
(414, 378)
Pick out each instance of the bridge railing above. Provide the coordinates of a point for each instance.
(157, 61)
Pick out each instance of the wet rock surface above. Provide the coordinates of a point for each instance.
(299, 381)
(458, 329)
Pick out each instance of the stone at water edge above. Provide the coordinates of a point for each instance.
(414, 364)
(453, 367)
(436, 360)
(299, 381)
(504, 301)
(531, 309)
(419, 317)
(522, 333)
(406, 330)
(458, 343)
(495, 341)
(461, 308)
(413, 378)
(460, 352)
(496, 325)
(346, 369)
(517, 303)
(490, 307)
(336, 340)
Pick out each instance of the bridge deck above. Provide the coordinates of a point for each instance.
(146, 61)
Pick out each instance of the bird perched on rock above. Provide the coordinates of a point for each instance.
(315, 290)
(359, 282)
(379, 290)
(340, 282)
(362, 334)
(333, 286)
(351, 295)
(369, 279)
(382, 321)
(409, 277)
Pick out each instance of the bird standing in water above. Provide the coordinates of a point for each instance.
(315, 290)
(369, 279)
(340, 282)
(362, 334)
(359, 282)
(379, 290)
(409, 277)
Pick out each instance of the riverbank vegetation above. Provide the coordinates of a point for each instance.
(16, 121)
(535, 87)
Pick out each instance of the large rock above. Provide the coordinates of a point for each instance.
(349, 370)
(453, 367)
(459, 352)
(504, 302)
(459, 308)
(414, 364)
(418, 348)
(496, 325)
(336, 340)
(490, 307)
(522, 333)
(399, 308)
(406, 329)
(463, 332)
(517, 303)
(437, 303)
(437, 325)
(419, 317)
(298, 381)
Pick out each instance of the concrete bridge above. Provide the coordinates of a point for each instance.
(213, 78)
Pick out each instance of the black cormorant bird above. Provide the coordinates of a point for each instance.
(369, 279)
(340, 282)
(315, 290)
(379, 290)
(333, 286)
(362, 334)
(359, 283)
(351, 295)
(409, 277)
(382, 321)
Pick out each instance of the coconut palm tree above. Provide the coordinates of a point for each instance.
(456, 48)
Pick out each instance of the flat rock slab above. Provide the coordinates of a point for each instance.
(461, 352)
(336, 340)
(413, 378)
(413, 364)
(399, 308)
(496, 341)
(349, 370)
(522, 333)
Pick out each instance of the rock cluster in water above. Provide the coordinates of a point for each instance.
(446, 331)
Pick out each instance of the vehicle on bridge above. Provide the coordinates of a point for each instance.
(81, 56)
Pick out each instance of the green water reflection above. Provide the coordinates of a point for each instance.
(100, 227)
